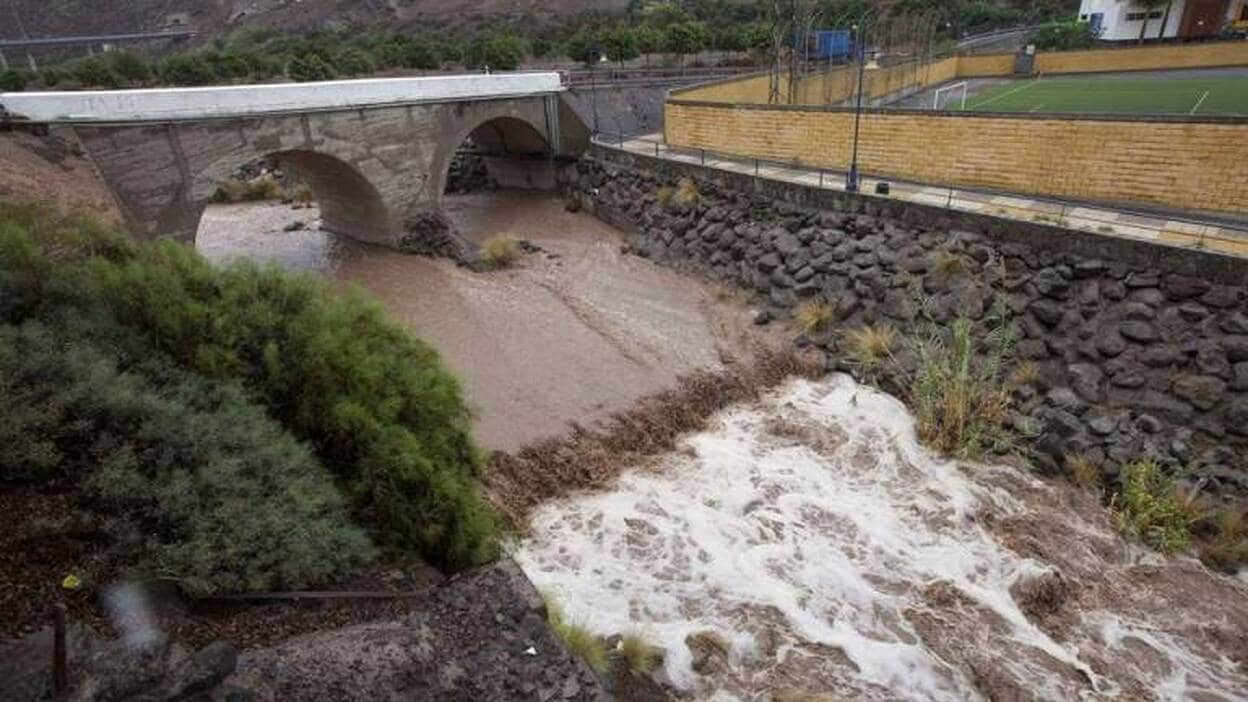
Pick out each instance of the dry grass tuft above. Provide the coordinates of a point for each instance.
(949, 265)
(1083, 472)
(518, 482)
(1228, 549)
(687, 193)
(641, 656)
(255, 190)
(301, 195)
(664, 195)
(1025, 373)
(500, 252)
(869, 346)
(813, 316)
(579, 641)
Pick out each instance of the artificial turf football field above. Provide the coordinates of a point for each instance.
(1119, 94)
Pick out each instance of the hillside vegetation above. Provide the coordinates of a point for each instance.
(248, 49)
(236, 428)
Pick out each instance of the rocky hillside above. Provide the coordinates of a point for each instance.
(214, 17)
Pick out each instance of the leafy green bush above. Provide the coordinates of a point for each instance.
(1149, 508)
(228, 500)
(374, 402)
(94, 73)
(354, 62)
(13, 81)
(1065, 36)
(129, 67)
(186, 69)
(309, 67)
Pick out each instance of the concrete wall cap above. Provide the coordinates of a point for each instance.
(166, 104)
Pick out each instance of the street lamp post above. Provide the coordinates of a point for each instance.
(851, 179)
(595, 55)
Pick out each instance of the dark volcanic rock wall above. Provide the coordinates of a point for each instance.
(1136, 356)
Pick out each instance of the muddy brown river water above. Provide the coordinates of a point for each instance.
(804, 546)
(573, 333)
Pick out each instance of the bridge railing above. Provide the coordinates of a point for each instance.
(585, 76)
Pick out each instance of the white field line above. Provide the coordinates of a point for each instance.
(1199, 102)
(993, 99)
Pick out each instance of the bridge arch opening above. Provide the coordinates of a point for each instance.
(267, 208)
(500, 152)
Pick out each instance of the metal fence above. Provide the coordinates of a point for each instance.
(1234, 232)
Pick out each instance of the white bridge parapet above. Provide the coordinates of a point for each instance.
(171, 104)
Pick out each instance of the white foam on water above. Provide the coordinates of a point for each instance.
(827, 540)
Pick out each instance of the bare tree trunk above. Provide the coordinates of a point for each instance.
(1165, 19)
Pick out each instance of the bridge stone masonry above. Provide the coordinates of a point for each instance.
(375, 152)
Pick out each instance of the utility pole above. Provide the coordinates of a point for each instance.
(851, 179)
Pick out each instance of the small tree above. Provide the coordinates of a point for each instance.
(686, 38)
(649, 41)
(581, 47)
(503, 52)
(621, 44)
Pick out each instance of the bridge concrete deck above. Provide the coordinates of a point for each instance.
(232, 101)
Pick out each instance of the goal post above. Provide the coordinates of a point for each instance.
(941, 92)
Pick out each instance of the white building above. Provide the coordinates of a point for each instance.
(1122, 20)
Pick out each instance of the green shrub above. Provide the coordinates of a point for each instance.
(374, 402)
(13, 81)
(94, 73)
(1148, 507)
(309, 67)
(227, 500)
(354, 62)
(186, 69)
(958, 395)
(1065, 36)
(129, 67)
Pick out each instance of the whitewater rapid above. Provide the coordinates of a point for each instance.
(831, 554)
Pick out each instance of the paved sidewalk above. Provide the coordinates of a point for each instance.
(1188, 233)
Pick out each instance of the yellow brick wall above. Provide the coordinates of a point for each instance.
(750, 89)
(1181, 165)
(985, 65)
(1233, 53)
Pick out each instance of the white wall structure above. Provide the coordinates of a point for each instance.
(172, 104)
(1121, 20)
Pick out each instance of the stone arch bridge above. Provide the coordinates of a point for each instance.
(375, 152)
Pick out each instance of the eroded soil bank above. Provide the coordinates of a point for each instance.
(807, 545)
(575, 332)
